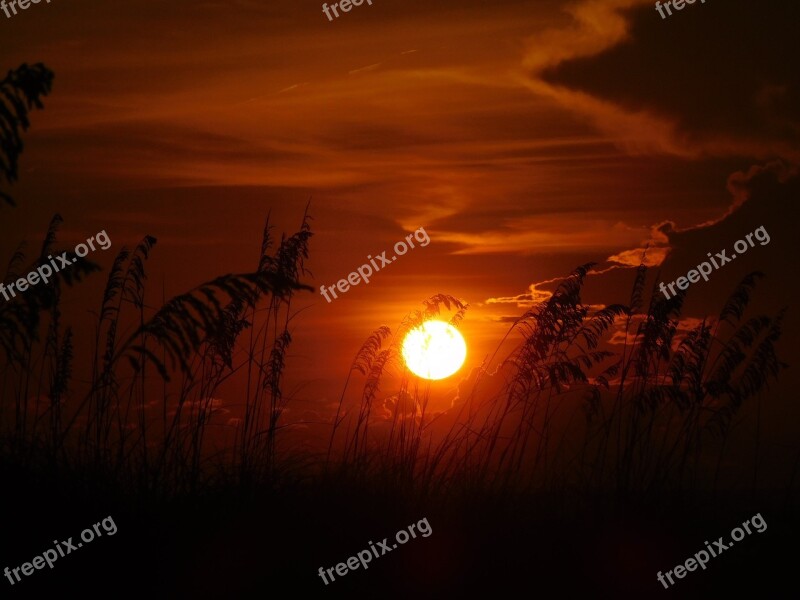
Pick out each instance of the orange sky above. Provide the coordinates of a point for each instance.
(525, 137)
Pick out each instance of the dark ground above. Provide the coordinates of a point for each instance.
(261, 543)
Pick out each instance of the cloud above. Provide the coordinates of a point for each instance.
(364, 69)
(533, 296)
(760, 194)
(529, 235)
(648, 256)
(669, 100)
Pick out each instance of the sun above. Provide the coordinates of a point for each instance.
(434, 350)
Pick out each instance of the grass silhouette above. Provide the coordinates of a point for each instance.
(21, 90)
(653, 409)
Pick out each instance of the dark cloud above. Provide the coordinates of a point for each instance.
(724, 73)
(765, 193)
(762, 196)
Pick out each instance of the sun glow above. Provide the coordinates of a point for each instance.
(434, 350)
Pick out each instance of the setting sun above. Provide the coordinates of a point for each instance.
(434, 350)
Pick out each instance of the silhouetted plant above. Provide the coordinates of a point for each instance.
(20, 91)
(28, 363)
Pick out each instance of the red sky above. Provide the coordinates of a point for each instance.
(525, 137)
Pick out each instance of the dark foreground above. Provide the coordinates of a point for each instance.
(260, 542)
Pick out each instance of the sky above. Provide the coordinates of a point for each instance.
(525, 137)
